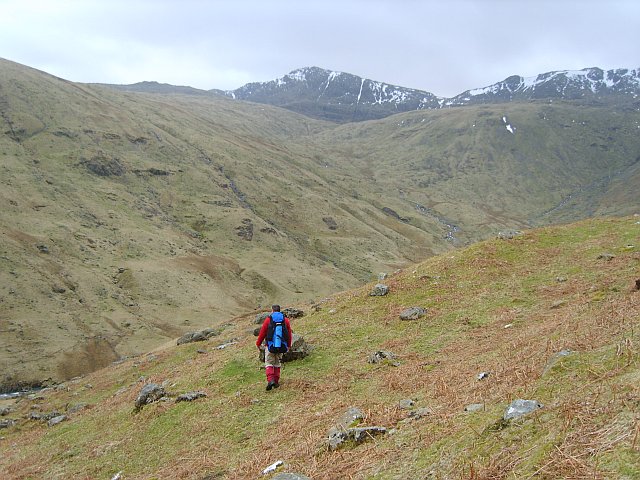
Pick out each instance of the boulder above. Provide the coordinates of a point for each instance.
(419, 413)
(56, 420)
(190, 396)
(406, 404)
(509, 234)
(290, 476)
(292, 312)
(382, 356)
(606, 256)
(379, 290)
(200, 336)
(5, 411)
(299, 349)
(6, 423)
(413, 313)
(260, 318)
(339, 437)
(474, 407)
(520, 408)
(152, 392)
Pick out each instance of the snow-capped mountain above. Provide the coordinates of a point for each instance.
(588, 83)
(336, 96)
(343, 97)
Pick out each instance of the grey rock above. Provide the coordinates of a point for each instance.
(338, 437)
(71, 409)
(351, 417)
(482, 375)
(190, 396)
(5, 411)
(555, 358)
(561, 279)
(382, 356)
(261, 317)
(520, 408)
(7, 422)
(289, 476)
(382, 276)
(419, 413)
(509, 234)
(413, 313)
(200, 336)
(406, 404)
(379, 290)
(43, 248)
(474, 407)
(150, 393)
(299, 349)
(606, 256)
(292, 312)
(56, 420)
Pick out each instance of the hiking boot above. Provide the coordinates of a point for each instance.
(270, 385)
(276, 384)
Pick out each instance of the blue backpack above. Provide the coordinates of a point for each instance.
(277, 334)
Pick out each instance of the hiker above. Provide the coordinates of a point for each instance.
(276, 330)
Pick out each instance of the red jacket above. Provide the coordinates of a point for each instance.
(265, 327)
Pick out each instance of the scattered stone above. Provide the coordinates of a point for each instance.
(222, 346)
(56, 420)
(45, 417)
(290, 476)
(299, 349)
(351, 417)
(520, 408)
(606, 256)
(558, 304)
(338, 437)
(413, 313)
(482, 375)
(117, 476)
(5, 411)
(406, 404)
(190, 396)
(43, 248)
(382, 276)
(58, 289)
(261, 317)
(382, 356)
(6, 423)
(555, 358)
(419, 413)
(508, 325)
(474, 407)
(150, 393)
(330, 222)
(198, 336)
(272, 468)
(509, 234)
(379, 290)
(292, 312)
(71, 409)
(561, 279)
(201, 351)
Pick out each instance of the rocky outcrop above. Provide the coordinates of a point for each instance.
(190, 396)
(200, 336)
(150, 393)
(413, 313)
(379, 290)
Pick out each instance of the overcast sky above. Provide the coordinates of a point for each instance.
(441, 46)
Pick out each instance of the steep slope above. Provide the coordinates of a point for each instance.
(550, 316)
(129, 218)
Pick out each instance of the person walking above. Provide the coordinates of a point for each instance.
(276, 331)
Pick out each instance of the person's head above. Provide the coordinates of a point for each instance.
(275, 308)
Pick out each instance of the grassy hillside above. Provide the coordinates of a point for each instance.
(505, 307)
(128, 219)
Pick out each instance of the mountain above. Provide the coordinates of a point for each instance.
(129, 218)
(155, 87)
(588, 84)
(342, 97)
(550, 316)
(335, 96)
